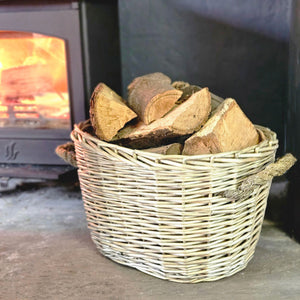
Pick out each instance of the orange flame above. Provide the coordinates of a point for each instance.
(33, 71)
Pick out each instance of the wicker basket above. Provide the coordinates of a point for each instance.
(180, 218)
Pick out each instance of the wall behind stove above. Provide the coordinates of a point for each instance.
(100, 30)
(237, 48)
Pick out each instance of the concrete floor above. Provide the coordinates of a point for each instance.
(46, 253)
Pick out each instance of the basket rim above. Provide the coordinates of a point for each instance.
(270, 141)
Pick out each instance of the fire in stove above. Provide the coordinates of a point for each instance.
(33, 81)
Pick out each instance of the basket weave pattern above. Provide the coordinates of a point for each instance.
(167, 215)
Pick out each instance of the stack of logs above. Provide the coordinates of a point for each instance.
(170, 118)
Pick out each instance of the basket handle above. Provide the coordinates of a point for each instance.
(278, 168)
(67, 153)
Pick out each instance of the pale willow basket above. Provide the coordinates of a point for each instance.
(180, 218)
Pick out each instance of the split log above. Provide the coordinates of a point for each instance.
(187, 92)
(262, 136)
(152, 96)
(108, 112)
(188, 89)
(180, 85)
(171, 149)
(228, 129)
(184, 119)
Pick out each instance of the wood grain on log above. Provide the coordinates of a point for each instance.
(184, 119)
(152, 96)
(171, 149)
(187, 92)
(228, 129)
(108, 112)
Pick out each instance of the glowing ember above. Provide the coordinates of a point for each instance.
(1, 66)
(25, 108)
(26, 116)
(4, 115)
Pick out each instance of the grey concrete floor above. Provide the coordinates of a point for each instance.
(46, 253)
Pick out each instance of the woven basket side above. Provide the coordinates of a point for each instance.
(167, 215)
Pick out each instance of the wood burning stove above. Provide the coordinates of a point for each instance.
(52, 54)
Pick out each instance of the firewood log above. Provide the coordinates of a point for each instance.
(151, 96)
(184, 119)
(187, 92)
(188, 89)
(228, 129)
(25, 81)
(180, 85)
(108, 112)
(171, 149)
(262, 136)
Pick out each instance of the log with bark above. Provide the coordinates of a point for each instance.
(188, 89)
(108, 112)
(152, 96)
(183, 119)
(171, 149)
(228, 129)
(167, 115)
(187, 92)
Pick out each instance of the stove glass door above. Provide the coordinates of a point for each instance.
(33, 81)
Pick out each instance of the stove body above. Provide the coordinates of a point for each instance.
(52, 54)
